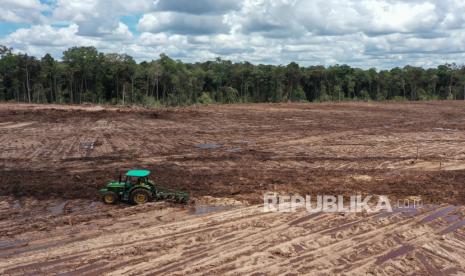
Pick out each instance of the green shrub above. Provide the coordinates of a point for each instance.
(230, 95)
(298, 95)
(398, 99)
(150, 101)
(205, 98)
(364, 95)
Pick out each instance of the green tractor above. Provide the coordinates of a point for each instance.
(138, 189)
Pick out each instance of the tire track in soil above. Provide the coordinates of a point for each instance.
(224, 250)
(246, 241)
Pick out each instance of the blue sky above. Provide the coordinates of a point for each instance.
(363, 33)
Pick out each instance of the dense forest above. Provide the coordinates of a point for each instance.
(86, 75)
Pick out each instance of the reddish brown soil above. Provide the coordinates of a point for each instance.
(397, 149)
(79, 237)
(53, 160)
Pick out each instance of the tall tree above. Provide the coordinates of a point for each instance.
(86, 75)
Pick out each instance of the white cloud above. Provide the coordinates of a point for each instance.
(161, 39)
(79, 10)
(43, 38)
(198, 6)
(24, 11)
(338, 17)
(381, 33)
(180, 23)
(99, 18)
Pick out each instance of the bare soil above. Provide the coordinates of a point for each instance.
(81, 237)
(53, 160)
(238, 151)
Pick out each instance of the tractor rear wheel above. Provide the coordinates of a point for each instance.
(140, 196)
(110, 198)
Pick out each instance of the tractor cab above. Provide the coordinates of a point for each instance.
(136, 177)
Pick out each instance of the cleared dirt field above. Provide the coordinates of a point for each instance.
(239, 151)
(53, 159)
(84, 238)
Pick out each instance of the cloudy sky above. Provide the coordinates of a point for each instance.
(364, 33)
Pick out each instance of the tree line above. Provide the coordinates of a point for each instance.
(85, 75)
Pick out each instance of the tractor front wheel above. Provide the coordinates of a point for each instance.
(110, 198)
(140, 196)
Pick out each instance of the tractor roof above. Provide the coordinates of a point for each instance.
(138, 173)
